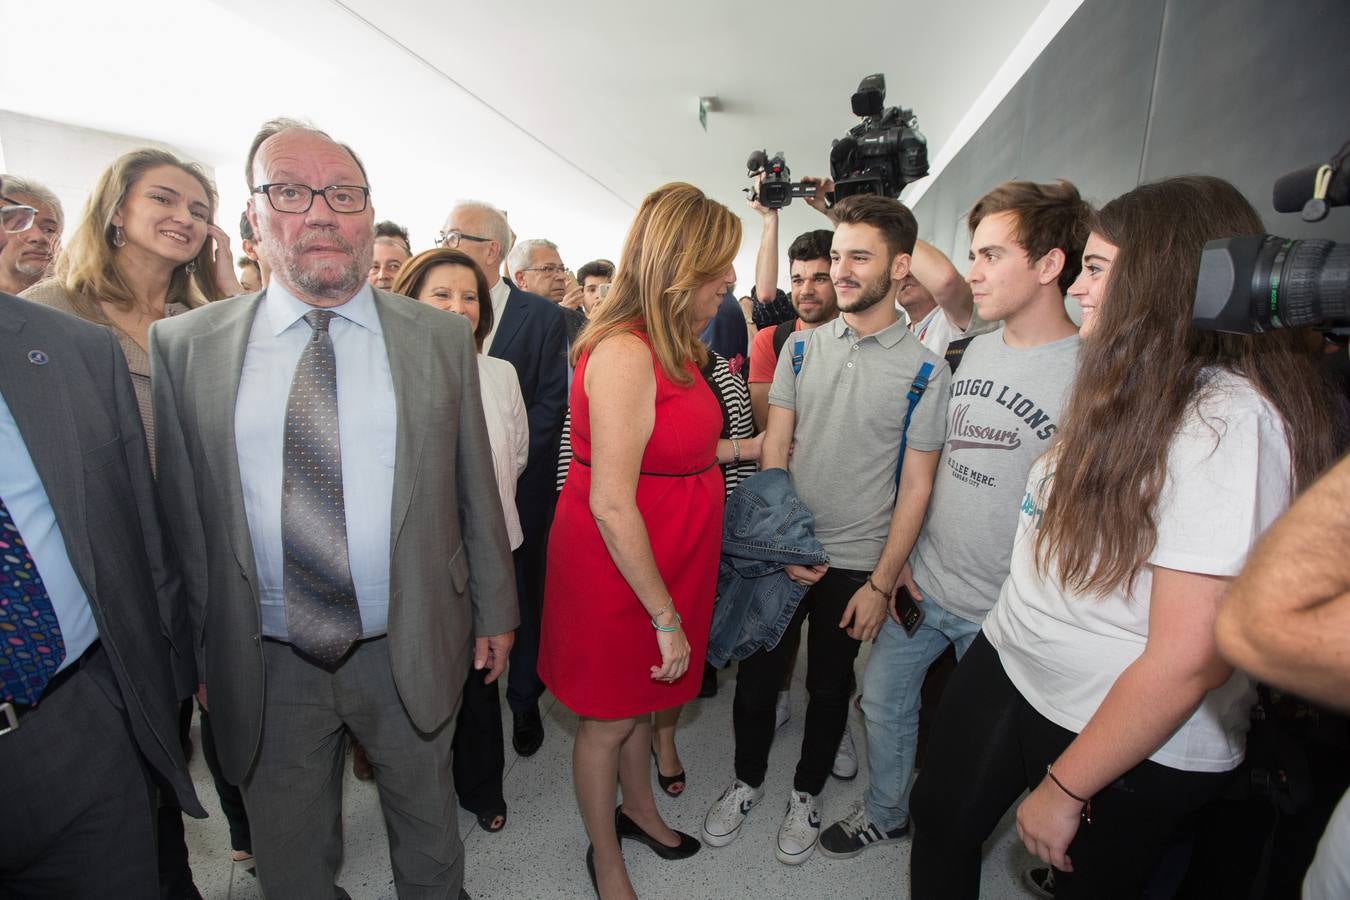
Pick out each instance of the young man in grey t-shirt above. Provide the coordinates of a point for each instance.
(843, 417)
(1007, 396)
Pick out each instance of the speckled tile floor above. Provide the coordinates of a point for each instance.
(539, 856)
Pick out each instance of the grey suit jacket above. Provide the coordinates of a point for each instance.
(451, 574)
(67, 386)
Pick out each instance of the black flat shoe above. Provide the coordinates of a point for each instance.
(488, 819)
(668, 781)
(627, 828)
(527, 731)
(590, 868)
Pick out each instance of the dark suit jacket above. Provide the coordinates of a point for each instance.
(532, 337)
(78, 416)
(450, 569)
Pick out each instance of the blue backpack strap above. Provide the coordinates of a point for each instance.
(798, 353)
(915, 395)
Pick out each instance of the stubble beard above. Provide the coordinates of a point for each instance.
(876, 292)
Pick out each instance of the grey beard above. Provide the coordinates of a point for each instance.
(879, 291)
(329, 285)
(29, 270)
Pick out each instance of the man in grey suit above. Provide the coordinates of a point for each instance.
(90, 612)
(325, 469)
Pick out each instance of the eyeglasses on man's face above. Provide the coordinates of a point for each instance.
(551, 270)
(16, 217)
(454, 236)
(298, 198)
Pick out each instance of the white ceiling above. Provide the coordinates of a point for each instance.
(563, 114)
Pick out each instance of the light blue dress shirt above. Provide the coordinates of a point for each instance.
(28, 505)
(367, 418)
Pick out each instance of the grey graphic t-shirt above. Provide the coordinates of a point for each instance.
(1004, 409)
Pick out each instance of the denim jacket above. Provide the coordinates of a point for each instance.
(766, 527)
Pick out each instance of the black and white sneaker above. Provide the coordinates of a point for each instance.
(800, 829)
(723, 822)
(854, 833)
(1040, 880)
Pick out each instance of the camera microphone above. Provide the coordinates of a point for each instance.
(1295, 191)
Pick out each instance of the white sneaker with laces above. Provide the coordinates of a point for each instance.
(782, 711)
(724, 820)
(845, 758)
(799, 831)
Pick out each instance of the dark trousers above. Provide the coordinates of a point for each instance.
(987, 746)
(231, 798)
(175, 872)
(478, 748)
(79, 810)
(830, 653)
(524, 687)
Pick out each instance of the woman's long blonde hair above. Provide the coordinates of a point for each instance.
(679, 241)
(88, 267)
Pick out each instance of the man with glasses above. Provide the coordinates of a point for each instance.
(90, 610)
(529, 332)
(28, 257)
(536, 267)
(326, 473)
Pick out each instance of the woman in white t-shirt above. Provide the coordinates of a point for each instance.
(1096, 683)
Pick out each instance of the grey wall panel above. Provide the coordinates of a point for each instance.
(1248, 90)
(1244, 89)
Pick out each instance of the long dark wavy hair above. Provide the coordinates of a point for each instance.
(1140, 372)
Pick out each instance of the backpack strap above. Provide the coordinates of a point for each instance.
(915, 395)
(956, 350)
(781, 332)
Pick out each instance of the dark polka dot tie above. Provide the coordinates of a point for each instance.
(31, 647)
(322, 616)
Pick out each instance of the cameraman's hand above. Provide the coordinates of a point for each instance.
(760, 207)
(823, 186)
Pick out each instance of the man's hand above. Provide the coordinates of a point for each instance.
(572, 299)
(864, 614)
(906, 579)
(760, 207)
(491, 652)
(823, 186)
(805, 574)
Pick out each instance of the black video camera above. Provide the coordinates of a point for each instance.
(776, 188)
(1261, 282)
(882, 153)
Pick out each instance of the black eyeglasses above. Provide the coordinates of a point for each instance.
(452, 238)
(16, 217)
(298, 198)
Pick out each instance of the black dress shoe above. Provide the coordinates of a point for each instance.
(527, 731)
(627, 828)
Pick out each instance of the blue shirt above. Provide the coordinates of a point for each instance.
(366, 431)
(27, 502)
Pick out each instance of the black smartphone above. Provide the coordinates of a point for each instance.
(908, 609)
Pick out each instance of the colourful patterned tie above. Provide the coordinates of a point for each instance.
(31, 646)
(322, 615)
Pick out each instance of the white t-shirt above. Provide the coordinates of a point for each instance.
(1228, 478)
(935, 331)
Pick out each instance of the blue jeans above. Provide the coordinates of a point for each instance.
(890, 701)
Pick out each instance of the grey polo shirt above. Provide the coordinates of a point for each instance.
(850, 400)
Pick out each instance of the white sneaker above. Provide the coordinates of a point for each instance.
(783, 710)
(845, 758)
(724, 820)
(799, 831)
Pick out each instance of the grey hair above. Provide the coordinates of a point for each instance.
(494, 221)
(522, 253)
(273, 127)
(14, 185)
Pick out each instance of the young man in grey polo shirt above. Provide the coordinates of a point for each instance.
(843, 418)
(1007, 395)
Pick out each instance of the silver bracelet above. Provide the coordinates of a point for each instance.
(735, 451)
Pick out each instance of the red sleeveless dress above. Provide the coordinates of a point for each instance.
(597, 644)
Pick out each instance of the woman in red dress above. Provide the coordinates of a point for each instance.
(632, 556)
